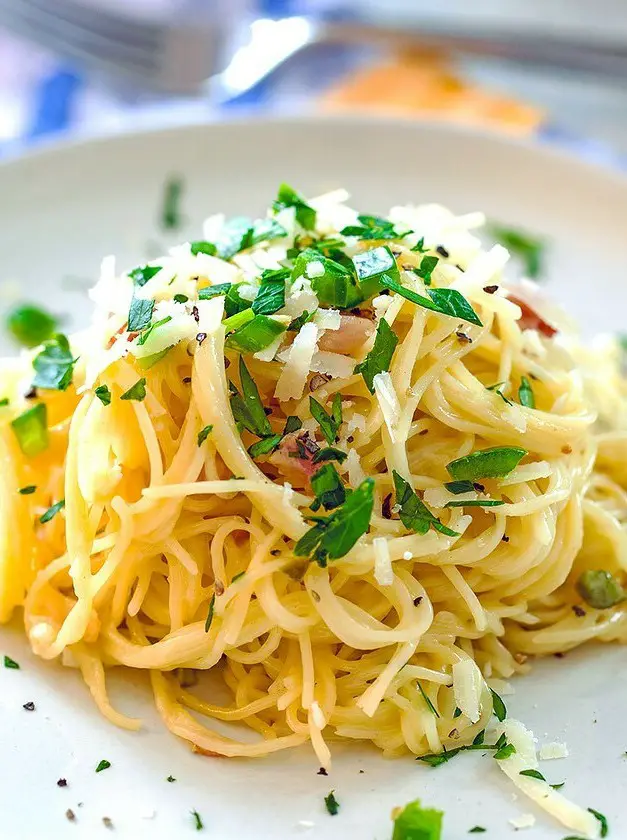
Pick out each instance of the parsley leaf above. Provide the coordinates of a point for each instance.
(445, 301)
(292, 424)
(527, 248)
(11, 663)
(417, 823)
(602, 820)
(333, 283)
(414, 514)
(333, 536)
(427, 265)
(103, 765)
(495, 462)
(31, 430)
(54, 366)
(328, 453)
(170, 212)
(258, 333)
(104, 394)
(136, 391)
(214, 291)
(525, 393)
(197, 821)
(139, 314)
(270, 297)
(478, 829)
(248, 409)
(28, 490)
(200, 246)
(498, 706)
(533, 774)
(476, 503)
(142, 274)
(379, 358)
(240, 233)
(328, 488)
(209, 619)
(30, 325)
(264, 446)
(288, 197)
(457, 487)
(333, 806)
(52, 511)
(329, 423)
(373, 227)
(203, 434)
(371, 265)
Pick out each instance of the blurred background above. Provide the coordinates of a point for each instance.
(551, 69)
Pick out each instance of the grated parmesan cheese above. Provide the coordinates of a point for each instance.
(328, 319)
(355, 472)
(553, 750)
(333, 364)
(314, 269)
(382, 563)
(467, 685)
(523, 821)
(293, 377)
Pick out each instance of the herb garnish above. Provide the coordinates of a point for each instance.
(270, 297)
(214, 291)
(478, 829)
(525, 393)
(371, 266)
(527, 248)
(30, 325)
(104, 394)
(170, 211)
(333, 806)
(427, 265)
(329, 453)
(136, 391)
(209, 618)
(600, 589)
(413, 513)
(248, 409)
(458, 487)
(533, 774)
(264, 446)
(417, 823)
(333, 283)
(31, 430)
(445, 301)
(425, 697)
(257, 334)
(4, 402)
(288, 197)
(496, 462)
(292, 424)
(475, 503)
(28, 490)
(329, 423)
(203, 434)
(496, 388)
(200, 246)
(103, 764)
(603, 820)
(373, 227)
(142, 274)
(379, 358)
(11, 663)
(498, 706)
(197, 821)
(328, 488)
(170, 779)
(139, 314)
(54, 366)
(333, 536)
(52, 511)
(502, 750)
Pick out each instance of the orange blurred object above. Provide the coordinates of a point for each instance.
(423, 84)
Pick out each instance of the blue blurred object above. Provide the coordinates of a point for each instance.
(54, 100)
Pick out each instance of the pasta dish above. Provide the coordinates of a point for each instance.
(333, 459)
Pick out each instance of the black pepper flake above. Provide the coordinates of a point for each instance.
(418, 600)
(465, 339)
(318, 380)
(30, 706)
(275, 552)
(534, 377)
(504, 538)
(267, 410)
(315, 596)
(61, 782)
(108, 822)
(478, 487)
(70, 815)
(423, 432)
(32, 394)
(201, 337)
(362, 771)
(489, 290)
(459, 268)
(322, 772)
(579, 612)
(350, 439)
(559, 655)
(567, 450)
(386, 507)
(195, 314)
(187, 380)
(441, 250)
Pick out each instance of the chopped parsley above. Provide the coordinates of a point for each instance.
(478, 829)
(533, 774)
(502, 749)
(241, 233)
(288, 197)
(200, 246)
(209, 619)
(334, 284)
(426, 268)
(486, 503)
(417, 823)
(371, 266)
(28, 490)
(257, 334)
(264, 446)
(413, 512)
(333, 806)
(179, 298)
(458, 487)
(529, 249)
(203, 434)
(333, 536)
(425, 697)
(379, 358)
(136, 392)
(504, 752)
(54, 366)
(328, 488)
(445, 301)
(171, 218)
(292, 424)
(140, 314)
(11, 663)
(525, 393)
(103, 764)
(104, 394)
(600, 589)
(170, 779)
(373, 227)
(198, 823)
(248, 410)
(52, 511)
(30, 325)
(496, 462)
(602, 820)
(31, 430)
(142, 274)
(498, 706)
(329, 423)
(328, 453)
(214, 291)
(271, 295)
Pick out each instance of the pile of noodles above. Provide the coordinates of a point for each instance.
(173, 557)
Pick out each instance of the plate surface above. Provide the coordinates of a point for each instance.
(61, 210)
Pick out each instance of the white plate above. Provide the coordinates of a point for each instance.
(60, 211)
